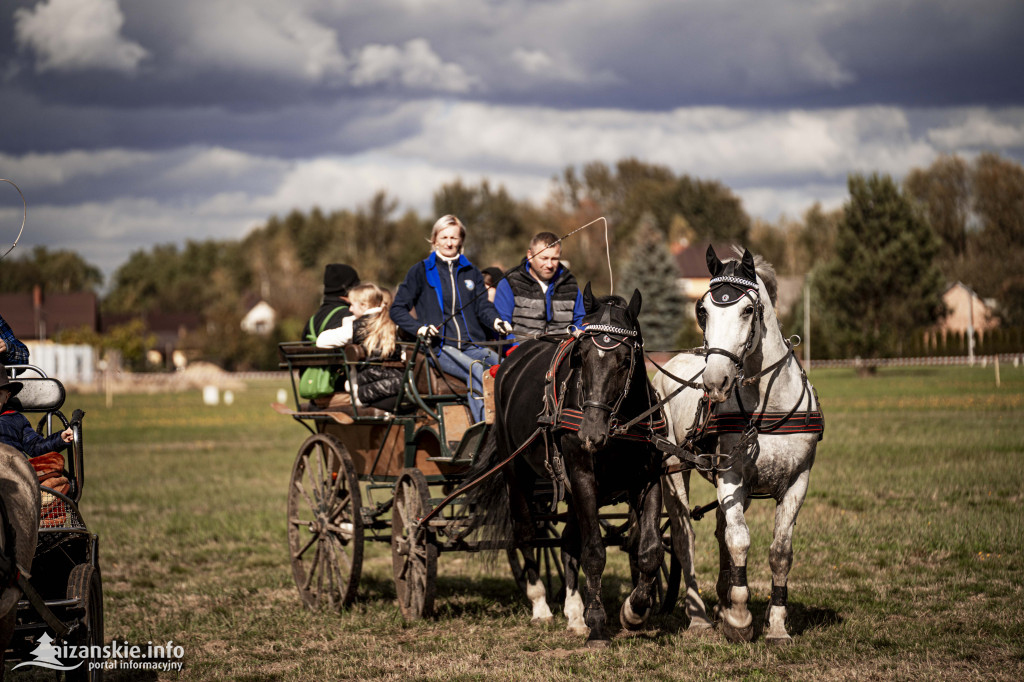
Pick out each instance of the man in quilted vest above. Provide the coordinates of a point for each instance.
(541, 295)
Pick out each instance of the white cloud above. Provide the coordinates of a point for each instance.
(777, 162)
(982, 128)
(76, 35)
(772, 203)
(32, 171)
(543, 67)
(415, 65)
(259, 37)
(734, 144)
(345, 182)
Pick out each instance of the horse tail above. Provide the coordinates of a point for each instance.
(487, 495)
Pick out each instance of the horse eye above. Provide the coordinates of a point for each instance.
(749, 310)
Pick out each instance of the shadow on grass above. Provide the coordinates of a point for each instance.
(489, 597)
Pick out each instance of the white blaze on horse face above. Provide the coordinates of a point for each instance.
(727, 329)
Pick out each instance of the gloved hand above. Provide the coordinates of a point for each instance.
(502, 327)
(427, 330)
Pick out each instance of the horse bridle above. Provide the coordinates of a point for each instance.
(751, 293)
(608, 337)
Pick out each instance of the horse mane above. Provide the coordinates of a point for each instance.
(764, 270)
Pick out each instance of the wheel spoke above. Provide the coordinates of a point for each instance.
(312, 570)
(320, 577)
(298, 554)
(333, 579)
(342, 554)
(315, 486)
(342, 501)
(302, 489)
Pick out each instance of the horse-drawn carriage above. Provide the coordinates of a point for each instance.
(64, 593)
(397, 476)
(413, 476)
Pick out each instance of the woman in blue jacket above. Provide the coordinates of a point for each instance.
(448, 294)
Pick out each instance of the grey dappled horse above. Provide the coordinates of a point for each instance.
(751, 376)
(19, 492)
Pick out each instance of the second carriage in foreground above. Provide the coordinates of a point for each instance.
(389, 475)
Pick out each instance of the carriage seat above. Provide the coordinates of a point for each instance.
(432, 381)
(38, 395)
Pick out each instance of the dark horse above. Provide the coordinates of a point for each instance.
(565, 403)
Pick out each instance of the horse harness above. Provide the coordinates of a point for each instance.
(727, 290)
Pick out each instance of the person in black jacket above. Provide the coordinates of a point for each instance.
(370, 326)
(15, 429)
(334, 308)
(450, 299)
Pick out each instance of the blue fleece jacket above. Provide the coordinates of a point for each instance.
(428, 289)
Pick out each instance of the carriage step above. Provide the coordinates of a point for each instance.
(463, 451)
(453, 447)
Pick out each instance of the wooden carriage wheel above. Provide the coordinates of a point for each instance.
(325, 523)
(549, 560)
(85, 586)
(413, 550)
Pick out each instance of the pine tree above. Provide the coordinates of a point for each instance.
(882, 281)
(652, 270)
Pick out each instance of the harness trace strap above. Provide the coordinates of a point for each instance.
(737, 422)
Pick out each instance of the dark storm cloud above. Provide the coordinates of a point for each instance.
(654, 55)
(153, 121)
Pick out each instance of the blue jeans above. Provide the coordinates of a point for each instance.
(459, 362)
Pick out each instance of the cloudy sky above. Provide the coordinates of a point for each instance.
(131, 122)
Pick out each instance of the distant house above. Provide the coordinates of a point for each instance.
(691, 260)
(38, 316)
(694, 279)
(966, 310)
(260, 319)
(170, 330)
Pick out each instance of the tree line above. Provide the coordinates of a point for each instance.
(878, 265)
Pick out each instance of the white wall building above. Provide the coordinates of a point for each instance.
(69, 364)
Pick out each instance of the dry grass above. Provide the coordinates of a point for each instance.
(909, 560)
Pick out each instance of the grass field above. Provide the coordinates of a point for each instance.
(909, 552)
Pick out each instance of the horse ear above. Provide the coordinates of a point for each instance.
(589, 305)
(634, 305)
(748, 266)
(714, 265)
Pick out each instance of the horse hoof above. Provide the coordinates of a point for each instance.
(542, 622)
(699, 625)
(598, 643)
(778, 641)
(581, 630)
(736, 635)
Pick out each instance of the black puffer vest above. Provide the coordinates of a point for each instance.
(530, 315)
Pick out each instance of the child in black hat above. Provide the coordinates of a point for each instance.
(15, 429)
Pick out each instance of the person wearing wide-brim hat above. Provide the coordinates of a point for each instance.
(15, 429)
